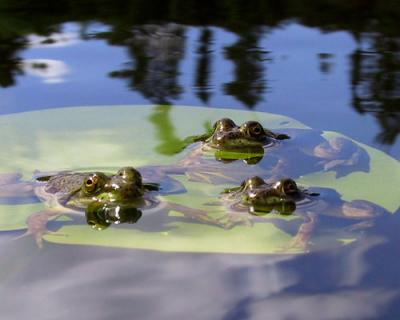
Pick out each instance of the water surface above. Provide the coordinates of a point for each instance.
(331, 66)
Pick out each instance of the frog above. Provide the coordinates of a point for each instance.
(118, 198)
(250, 149)
(248, 137)
(228, 142)
(257, 199)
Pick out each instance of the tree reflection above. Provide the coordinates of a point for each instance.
(10, 63)
(249, 84)
(156, 47)
(325, 62)
(203, 68)
(156, 51)
(376, 82)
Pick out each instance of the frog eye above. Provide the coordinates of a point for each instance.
(127, 172)
(289, 186)
(256, 129)
(255, 182)
(91, 183)
(252, 183)
(224, 124)
(253, 129)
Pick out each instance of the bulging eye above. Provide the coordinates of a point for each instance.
(91, 183)
(253, 129)
(252, 183)
(129, 173)
(224, 124)
(256, 130)
(290, 187)
(255, 182)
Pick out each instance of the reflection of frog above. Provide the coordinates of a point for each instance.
(96, 192)
(257, 197)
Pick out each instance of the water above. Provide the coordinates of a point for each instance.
(315, 63)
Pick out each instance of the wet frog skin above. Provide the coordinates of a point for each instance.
(228, 142)
(256, 197)
(307, 151)
(250, 135)
(103, 198)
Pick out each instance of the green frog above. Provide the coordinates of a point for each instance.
(263, 153)
(230, 142)
(248, 137)
(117, 198)
(255, 198)
(226, 142)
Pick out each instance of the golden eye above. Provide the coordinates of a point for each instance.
(91, 183)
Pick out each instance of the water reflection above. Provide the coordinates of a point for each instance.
(169, 142)
(358, 281)
(249, 84)
(100, 216)
(51, 71)
(376, 82)
(53, 40)
(203, 68)
(325, 62)
(156, 51)
(10, 65)
(156, 47)
(246, 286)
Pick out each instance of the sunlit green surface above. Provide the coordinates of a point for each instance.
(115, 136)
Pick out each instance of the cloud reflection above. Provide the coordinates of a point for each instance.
(132, 284)
(343, 304)
(51, 71)
(53, 40)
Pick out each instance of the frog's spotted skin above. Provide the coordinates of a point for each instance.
(256, 197)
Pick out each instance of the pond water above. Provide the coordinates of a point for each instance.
(286, 66)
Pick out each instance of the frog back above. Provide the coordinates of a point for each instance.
(59, 188)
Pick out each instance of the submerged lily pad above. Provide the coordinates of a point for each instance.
(105, 138)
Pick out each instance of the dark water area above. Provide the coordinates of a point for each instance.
(332, 65)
